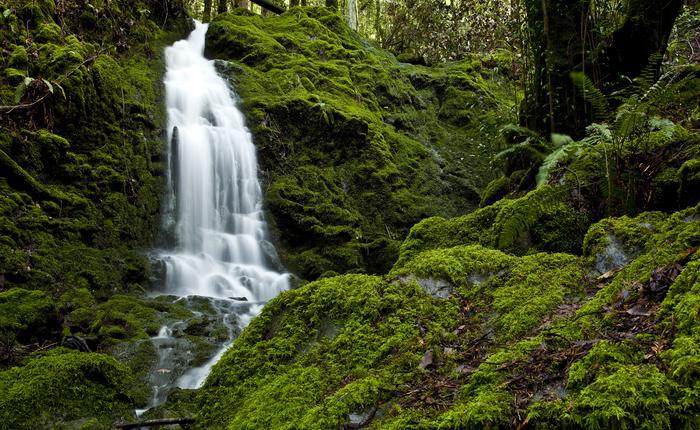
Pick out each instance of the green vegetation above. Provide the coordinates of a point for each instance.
(499, 330)
(354, 146)
(466, 272)
(65, 389)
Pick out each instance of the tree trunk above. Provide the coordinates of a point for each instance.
(552, 103)
(645, 32)
(562, 43)
(222, 7)
(207, 11)
(378, 22)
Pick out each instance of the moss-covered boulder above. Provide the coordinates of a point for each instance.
(354, 146)
(542, 220)
(65, 389)
(473, 337)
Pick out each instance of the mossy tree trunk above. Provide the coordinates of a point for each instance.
(207, 11)
(562, 42)
(645, 32)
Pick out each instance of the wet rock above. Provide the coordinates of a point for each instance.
(613, 257)
(427, 360)
(357, 420)
(437, 288)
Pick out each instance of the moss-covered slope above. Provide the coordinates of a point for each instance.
(354, 146)
(470, 337)
(534, 311)
(81, 126)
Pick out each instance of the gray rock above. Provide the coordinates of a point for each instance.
(427, 360)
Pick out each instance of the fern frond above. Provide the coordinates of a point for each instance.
(516, 219)
(648, 77)
(596, 98)
(564, 153)
(666, 126)
(598, 133)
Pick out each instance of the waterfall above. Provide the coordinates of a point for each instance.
(215, 193)
(214, 201)
(351, 15)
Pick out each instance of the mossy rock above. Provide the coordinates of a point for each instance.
(65, 388)
(542, 220)
(26, 316)
(354, 146)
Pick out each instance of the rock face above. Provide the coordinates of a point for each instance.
(354, 146)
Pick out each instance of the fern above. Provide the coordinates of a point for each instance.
(557, 157)
(666, 126)
(516, 219)
(598, 101)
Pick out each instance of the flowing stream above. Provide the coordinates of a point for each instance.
(213, 207)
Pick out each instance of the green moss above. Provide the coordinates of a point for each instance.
(630, 234)
(48, 33)
(603, 357)
(535, 287)
(495, 190)
(630, 397)
(488, 409)
(540, 220)
(323, 351)
(457, 265)
(354, 146)
(61, 387)
(26, 316)
(19, 59)
(126, 317)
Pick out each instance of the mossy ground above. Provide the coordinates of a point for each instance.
(542, 339)
(65, 389)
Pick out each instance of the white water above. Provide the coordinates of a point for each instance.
(351, 16)
(214, 199)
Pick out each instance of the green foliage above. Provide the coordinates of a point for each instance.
(540, 220)
(495, 190)
(320, 352)
(456, 265)
(354, 146)
(62, 387)
(631, 397)
(25, 316)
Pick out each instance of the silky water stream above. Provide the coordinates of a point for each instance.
(221, 261)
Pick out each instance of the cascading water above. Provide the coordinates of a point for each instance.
(214, 200)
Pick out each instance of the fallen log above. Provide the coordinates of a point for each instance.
(156, 423)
